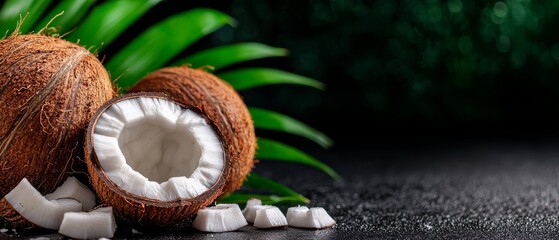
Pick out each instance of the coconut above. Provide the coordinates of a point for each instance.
(220, 103)
(49, 90)
(154, 160)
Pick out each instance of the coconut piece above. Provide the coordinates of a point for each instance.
(303, 217)
(155, 161)
(220, 218)
(97, 223)
(73, 188)
(25, 208)
(250, 214)
(251, 203)
(269, 218)
(220, 103)
(49, 90)
(296, 216)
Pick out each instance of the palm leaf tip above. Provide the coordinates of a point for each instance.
(274, 150)
(247, 78)
(270, 120)
(227, 55)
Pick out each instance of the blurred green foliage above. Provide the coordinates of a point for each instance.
(426, 60)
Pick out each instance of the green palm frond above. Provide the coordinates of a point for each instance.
(247, 78)
(108, 20)
(161, 42)
(224, 56)
(13, 10)
(96, 24)
(269, 149)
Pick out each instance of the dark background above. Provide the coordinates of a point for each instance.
(402, 71)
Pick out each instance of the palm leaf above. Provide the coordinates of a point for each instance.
(257, 182)
(223, 56)
(73, 12)
(274, 150)
(269, 120)
(242, 198)
(247, 78)
(13, 9)
(161, 42)
(108, 20)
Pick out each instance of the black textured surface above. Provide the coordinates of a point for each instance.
(467, 191)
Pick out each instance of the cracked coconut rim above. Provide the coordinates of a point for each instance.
(152, 147)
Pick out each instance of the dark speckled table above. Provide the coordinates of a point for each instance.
(443, 191)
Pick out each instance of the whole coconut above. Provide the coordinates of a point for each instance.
(220, 103)
(49, 90)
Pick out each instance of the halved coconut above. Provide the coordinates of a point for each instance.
(220, 218)
(25, 208)
(85, 225)
(73, 188)
(220, 103)
(155, 161)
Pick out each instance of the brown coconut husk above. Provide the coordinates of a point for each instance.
(49, 89)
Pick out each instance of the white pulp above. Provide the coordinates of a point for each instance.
(220, 218)
(153, 148)
(30, 204)
(251, 203)
(98, 223)
(303, 217)
(72, 188)
(250, 214)
(269, 218)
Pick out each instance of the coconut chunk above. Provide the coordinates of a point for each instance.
(269, 218)
(153, 148)
(303, 217)
(220, 218)
(73, 188)
(251, 212)
(251, 203)
(99, 223)
(35, 208)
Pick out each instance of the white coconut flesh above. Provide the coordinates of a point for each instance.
(34, 207)
(73, 188)
(154, 148)
(303, 217)
(85, 225)
(270, 217)
(248, 211)
(250, 214)
(220, 218)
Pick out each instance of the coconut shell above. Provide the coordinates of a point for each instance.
(220, 103)
(49, 90)
(138, 210)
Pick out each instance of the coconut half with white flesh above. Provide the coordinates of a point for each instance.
(154, 160)
(220, 103)
(25, 208)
